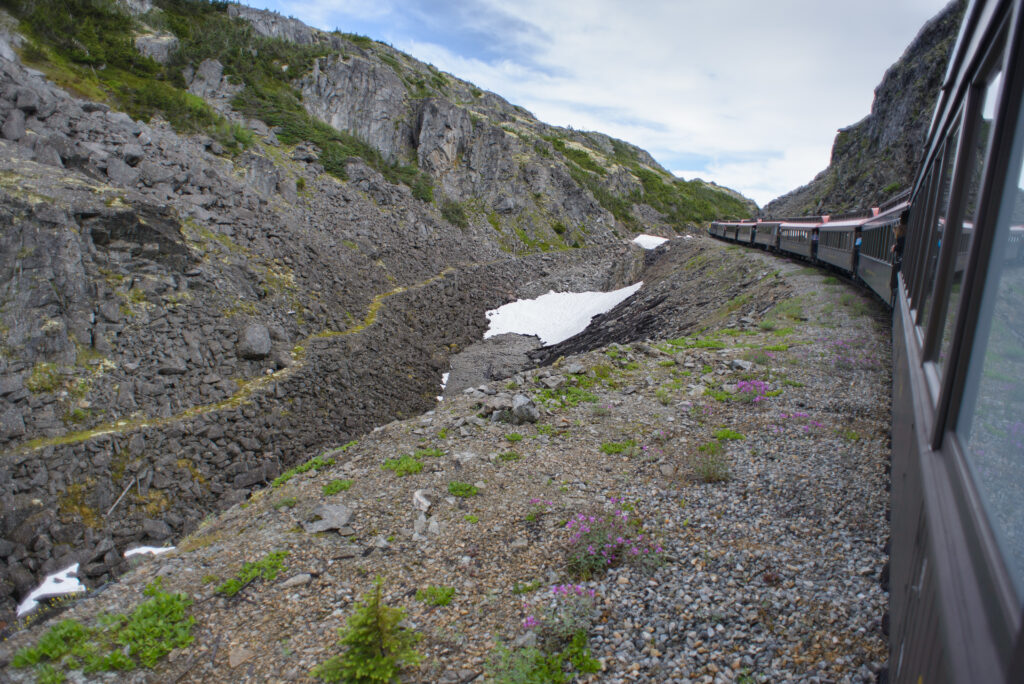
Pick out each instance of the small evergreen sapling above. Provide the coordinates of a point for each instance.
(378, 646)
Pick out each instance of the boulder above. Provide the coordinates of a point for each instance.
(14, 125)
(254, 342)
(524, 410)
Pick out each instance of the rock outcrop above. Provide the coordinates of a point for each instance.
(876, 158)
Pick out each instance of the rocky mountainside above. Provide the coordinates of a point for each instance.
(228, 240)
(876, 158)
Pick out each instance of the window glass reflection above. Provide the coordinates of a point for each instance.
(992, 422)
(977, 162)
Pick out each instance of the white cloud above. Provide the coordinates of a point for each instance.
(762, 86)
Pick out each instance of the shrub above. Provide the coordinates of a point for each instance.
(711, 465)
(463, 489)
(316, 463)
(513, 437)
(727, 433)
(403, 465)
(335, 486)
(612, 448)
(509, 456)
(267, 568)
(378, 646)
(454, 213)
(44, 378)
(117, 642)
(605, 540)
(751, 391)
(436, 596)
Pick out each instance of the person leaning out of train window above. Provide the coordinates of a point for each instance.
(899, 233)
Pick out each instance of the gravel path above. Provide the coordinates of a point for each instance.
(769, 575)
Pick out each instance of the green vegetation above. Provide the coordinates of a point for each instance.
(463, 489)
(530, 665)
(117, 642)
(286, 502)
(454, 213)
(267, 568)
(710, 465)
(682, 202)
(509, 456)
(335, 486)
(45, 377)
(471, 519)
(436, 596)
(378, 646)
(525, 587)
(403, 465)
(611, 448)
(513, 437)
(316, 463)
(727, 433)
(87, 45)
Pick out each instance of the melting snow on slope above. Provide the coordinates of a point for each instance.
(649, 241)
(444, 383)
(155, 550)
(555, 316)
(57, 584)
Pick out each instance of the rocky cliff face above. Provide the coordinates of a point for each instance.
(876, 158)
(183, 314)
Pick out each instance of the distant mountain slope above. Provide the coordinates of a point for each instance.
(876, 158)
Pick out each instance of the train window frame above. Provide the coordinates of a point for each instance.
(969, 121)
(938, 242)
(921, 238)
(1003, 604)
(919, 255)
(934, 304)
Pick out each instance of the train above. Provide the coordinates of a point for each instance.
(956, 550)
(859, 246)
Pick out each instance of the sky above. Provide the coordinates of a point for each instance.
(745, 93)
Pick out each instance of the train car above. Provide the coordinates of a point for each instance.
(767, 234)
(745, 232)
(798, 237)
(730, 231)
(715, 229)
(837, 242)
(874, 263)
(957, 471)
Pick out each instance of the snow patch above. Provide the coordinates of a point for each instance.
(155, 550)
(57, 584)
(556, 316)
(649, 241)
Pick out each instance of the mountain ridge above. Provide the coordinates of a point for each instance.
(876, 158)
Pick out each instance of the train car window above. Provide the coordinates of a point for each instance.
(938, 227)
(919, 229)
(977, 163)
(991, 421)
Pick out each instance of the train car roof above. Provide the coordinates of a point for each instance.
(887, 216)
(845, 223)
(800, 224)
